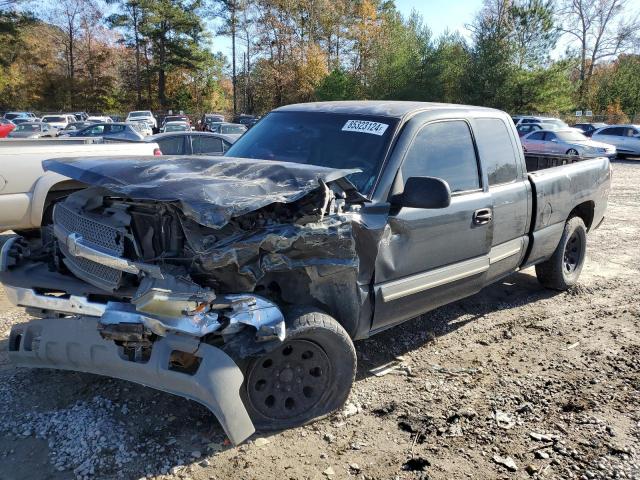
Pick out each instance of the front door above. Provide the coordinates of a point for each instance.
(431, 257)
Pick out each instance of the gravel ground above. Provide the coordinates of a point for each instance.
(515, 382)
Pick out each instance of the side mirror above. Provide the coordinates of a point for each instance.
(424, 192)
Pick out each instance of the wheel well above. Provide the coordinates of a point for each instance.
(586, 212)
(58, 191)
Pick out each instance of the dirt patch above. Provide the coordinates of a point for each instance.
(515, 382)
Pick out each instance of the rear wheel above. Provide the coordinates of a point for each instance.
(572, 151)
(307, 377)
(562, 270)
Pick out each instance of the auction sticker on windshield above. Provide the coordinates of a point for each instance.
(365, 126)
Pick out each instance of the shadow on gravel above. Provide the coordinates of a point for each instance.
(516, 290)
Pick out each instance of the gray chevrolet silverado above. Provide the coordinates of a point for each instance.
(241, 281)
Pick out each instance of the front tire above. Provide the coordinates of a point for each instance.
(305, 378)
(572, 152)
(562, 270)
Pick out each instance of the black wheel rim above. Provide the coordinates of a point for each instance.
(573, 253)
(289, 381)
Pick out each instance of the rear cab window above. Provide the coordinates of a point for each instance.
(496, 150)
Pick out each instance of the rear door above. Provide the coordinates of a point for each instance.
(552, 143)
(431, 257)
(534, 142)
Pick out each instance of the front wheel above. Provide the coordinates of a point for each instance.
(572, 152)
(307, 377)
(562, 270)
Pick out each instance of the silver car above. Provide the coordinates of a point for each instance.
(33, 130)
(626, 138)
(566, 142)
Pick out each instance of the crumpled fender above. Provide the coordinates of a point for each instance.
(75, 344)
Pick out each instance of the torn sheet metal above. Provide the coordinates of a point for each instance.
(211, 190)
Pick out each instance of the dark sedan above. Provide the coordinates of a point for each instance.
(589, 128)
(121, 131)
(192, 143)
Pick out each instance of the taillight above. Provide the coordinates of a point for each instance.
(157, 152)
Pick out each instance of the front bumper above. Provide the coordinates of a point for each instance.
(75, 344)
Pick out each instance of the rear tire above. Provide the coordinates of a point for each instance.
(306, 378)
(573, 152)
(562, 270)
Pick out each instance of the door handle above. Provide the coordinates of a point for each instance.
(482, 216)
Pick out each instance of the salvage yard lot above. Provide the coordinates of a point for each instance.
(514, 378)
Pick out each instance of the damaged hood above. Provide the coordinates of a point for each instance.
(211, 190)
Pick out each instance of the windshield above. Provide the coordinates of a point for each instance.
(233, 129)
(324, 139)
(51, 118)
(556, 122)
(140, 114)
(571, 136)
(176, 128)
(11, 116)
(27, 127)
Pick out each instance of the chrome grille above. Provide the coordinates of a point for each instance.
(97, 233)
(104, 237)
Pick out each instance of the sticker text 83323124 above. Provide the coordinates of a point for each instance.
(365, 126)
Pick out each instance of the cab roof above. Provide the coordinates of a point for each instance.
(384, 108)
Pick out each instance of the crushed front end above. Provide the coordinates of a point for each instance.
(170, 295)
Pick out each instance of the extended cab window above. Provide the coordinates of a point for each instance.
(496, 150)
(444, 150)
(171, 145)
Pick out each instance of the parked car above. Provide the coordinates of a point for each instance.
(6, 126)
(19, 120)
(232, 129)
(556, 123)
(80, 116)
(566, 142)
(12, 115)
(27, 200)
(526, 128)
(192, 143)
(175, 118)
(144, 128)
(124, 131)
(33, 130)
(241, 281)
(208, 118)
(176, 126)
(142, 115)
(589, 128)
(626, 138)
(246, 120)
(58, 121)
(73, 126)
(100, 119)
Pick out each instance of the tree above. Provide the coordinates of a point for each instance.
(231, 13)
(174, 29)
(534, 31)
(601, 29)
(131, 21)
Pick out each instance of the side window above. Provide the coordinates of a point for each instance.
(444, 150)
(549, 136)
(613, 131)
(204, 144)
(172, 146)
(116, 128)
(496, 150)
(536, 136)
(97, 130)
(631, 132)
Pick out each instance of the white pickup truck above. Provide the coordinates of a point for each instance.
(26, 191)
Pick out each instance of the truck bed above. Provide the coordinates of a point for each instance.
(560, 185)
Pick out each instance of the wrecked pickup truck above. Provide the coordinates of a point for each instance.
(241, 281)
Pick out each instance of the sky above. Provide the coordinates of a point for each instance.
(438, 15)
